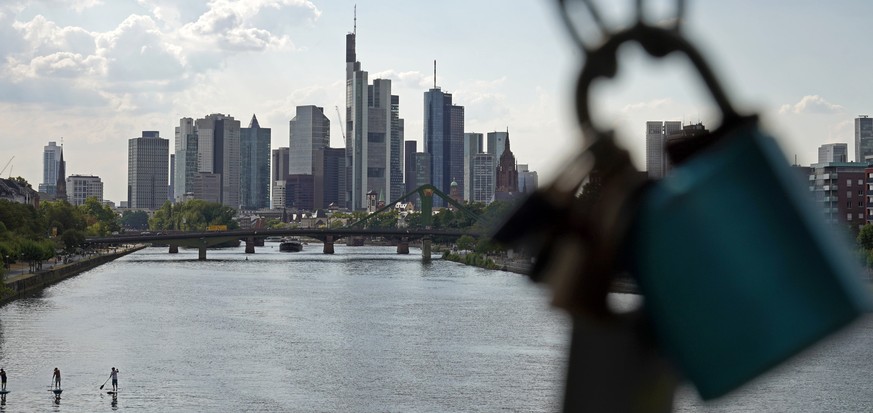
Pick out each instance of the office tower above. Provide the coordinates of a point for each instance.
(51, 154)
(507, 174)
(656, 138)
(833, 152)
(61, 184)
(482, 178)
(328, 177)
(186, 159)
(171, 188)
(374, 135)
(528, 181)
(299, 192)
(309, 132)
(218, 152)
(279, 165)
(444, 139)
(254, 187)
(82, 187)
(497, 143)
(863, 138)
(423, 170)
(147, 168)
(409, 149)
(472, 147)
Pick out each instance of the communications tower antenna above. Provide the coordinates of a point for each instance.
(355, 26)
(7, 165)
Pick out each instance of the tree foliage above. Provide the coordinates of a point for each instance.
(135, 220)
(192, 215)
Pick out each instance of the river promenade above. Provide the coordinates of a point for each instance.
(19, 282)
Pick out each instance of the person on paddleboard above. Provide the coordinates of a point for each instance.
(2, 379)
(56, 377)
(114, 376)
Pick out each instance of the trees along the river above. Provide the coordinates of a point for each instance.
(192, 215)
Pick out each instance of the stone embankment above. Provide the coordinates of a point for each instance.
(21, 285)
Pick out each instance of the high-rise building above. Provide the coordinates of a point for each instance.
(51, 155)
(528, 181)
(147, 168)
(171, 188)
(497, 143)
(374, 135)
(409, 150)
(833, 152)
(472, 147)
(279, 165)
(218, 152)
(186, 168)
(309, 132)
(482, 178)
(328, 177)
(299, 192)
(692, 131)
(61, 184)
(656, 138)
(423, 169)
(254, 145)
(82, 187)
(863, 138)
(444, 139)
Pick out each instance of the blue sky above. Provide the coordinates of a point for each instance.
(97, 73)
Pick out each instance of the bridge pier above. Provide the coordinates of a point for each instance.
(201, 253)
(328, 244)
(174, 249)
(250, 245)
(425, 250)
(403, 246)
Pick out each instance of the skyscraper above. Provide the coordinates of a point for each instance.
(656, 138)
(309, 132)
(444, 139)
(279, 165)
(255, 166)
(83, 187)
(472, 146)
(147, 167)
(482, 179)
(218, 153)
(374, 135)
(528, 181)
(497, 143)
(186, 159)
(863, 138)
(507, 174)
(51, 154)
(833, 152)
(328, 177)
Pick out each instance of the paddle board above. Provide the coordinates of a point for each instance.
(111, 392)
(56, 391)
(4, 391)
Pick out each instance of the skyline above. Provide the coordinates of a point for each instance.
(98, 74)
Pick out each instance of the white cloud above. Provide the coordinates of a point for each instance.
(811, 104)
(647, 105)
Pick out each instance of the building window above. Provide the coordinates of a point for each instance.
(848, 182)
(860, 204)
(860, 215)
(848, 217)
(848, 194)
(860, 182)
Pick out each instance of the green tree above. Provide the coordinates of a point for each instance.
(465, 243)
(134, 220)
(72, 239)
(865, 237)
(99, 218)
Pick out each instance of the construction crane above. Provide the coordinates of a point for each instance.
(7, 165)
(342, 125)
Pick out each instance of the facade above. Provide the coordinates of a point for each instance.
(483, 178)
(309, 132)
(207, 187)
(328, 178)
(279, 166)
(528, 181)
(374, 135)
(171, 188)
(299, 192)
(472, 147)
(444, 139)
(497, 143)
(833, 152)
(61, 184)
(507, 174)
(674, 137)
(863, 138)
(51, 155)
(186, 168)
(409, 150)
(254, 143)
(218, 152)
(81, 187)
(147, 170)
(840, 189)
(656, 138)
(14, 191)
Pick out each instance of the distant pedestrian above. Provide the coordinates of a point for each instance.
(2, 379)
(56, 378)
(114, 376)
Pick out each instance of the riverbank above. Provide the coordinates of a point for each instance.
(20, 285)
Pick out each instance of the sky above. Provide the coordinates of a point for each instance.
(97, 73)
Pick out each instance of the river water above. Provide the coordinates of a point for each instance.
(363, 330)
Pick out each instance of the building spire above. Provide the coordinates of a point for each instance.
(434, 73)
(355, 26)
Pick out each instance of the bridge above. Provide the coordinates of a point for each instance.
(203, 240)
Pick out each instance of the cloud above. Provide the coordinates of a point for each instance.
(811, 104)
(648, 105)
(411, 79)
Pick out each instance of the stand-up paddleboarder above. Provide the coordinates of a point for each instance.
(56, 378)
(114, 376)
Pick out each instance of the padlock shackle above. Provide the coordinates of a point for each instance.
(658, 42)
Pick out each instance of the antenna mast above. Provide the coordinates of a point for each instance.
(355, 26)
(434, 73)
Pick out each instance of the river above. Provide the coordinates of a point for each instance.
(363, 330)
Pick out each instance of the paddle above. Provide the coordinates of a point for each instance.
(104, 383)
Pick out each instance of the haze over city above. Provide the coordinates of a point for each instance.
(97, 73)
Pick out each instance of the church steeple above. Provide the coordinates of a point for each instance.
(61, 185)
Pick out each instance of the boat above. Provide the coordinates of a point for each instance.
(290, 245)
